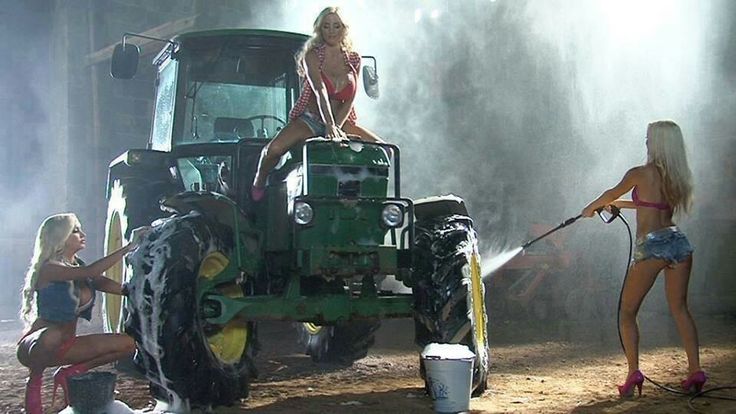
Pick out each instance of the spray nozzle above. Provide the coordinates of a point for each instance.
(609, 213)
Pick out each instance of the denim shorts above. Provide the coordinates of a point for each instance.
(668, 244)
(314, 123)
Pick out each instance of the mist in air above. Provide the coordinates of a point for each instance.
(530, 109)
(526, 109)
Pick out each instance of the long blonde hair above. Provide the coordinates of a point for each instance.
(316, 39)
(50, 241)
(667, 153)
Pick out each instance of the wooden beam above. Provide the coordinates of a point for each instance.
(164, 31)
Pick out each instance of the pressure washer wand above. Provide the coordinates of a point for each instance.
(563, 224)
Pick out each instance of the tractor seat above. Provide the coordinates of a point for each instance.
(233, 129)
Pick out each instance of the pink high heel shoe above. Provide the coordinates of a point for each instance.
(61, 377)
(257, 193)
(33, 394)
(694, 383)
(636, 378)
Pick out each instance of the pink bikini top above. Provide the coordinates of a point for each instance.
(641, 203)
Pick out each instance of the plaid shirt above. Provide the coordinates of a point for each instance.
(352, 60)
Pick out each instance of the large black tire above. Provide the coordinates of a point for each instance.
(342, 343)
(131, 205)
(187, 360)
(449, 293)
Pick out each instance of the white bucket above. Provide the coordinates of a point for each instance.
(449, 373)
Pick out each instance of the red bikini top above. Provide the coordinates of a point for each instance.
(307, 94)
(347, 92)
(641, 203)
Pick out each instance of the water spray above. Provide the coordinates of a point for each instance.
(503, 258)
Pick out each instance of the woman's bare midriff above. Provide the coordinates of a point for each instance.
(651, 219)
(336, 106)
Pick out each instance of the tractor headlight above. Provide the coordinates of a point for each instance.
(134, 157)
(392, 215)
(303, 213)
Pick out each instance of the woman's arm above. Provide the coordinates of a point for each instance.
(107, 285)
(627, 182)
(314, 77)
(344, 111)
(623, 203)
(52, 272)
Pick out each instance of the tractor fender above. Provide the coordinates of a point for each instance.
(438, 206)
(140, 168)
(224, 210)
(215, 206)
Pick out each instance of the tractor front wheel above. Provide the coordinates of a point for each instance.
(188, 360)
(449, 294)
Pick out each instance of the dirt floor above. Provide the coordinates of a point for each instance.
(535, 368)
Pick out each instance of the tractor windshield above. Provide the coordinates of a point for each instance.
(236, 94)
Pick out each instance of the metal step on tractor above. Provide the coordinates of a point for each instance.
(317, 250)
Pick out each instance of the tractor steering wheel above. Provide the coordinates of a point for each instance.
(261, 132)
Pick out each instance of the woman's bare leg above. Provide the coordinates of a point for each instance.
(676, 284)
(98, 349)
(38, 350)
(640, 280)
(293, 133)
(92, 350)
(364, 133)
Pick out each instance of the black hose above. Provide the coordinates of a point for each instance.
(700, 394)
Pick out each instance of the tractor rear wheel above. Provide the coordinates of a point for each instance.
(188, 360)
(342, 343)
(449, 294)
(129, 207)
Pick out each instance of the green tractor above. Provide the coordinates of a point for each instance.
(317, 250)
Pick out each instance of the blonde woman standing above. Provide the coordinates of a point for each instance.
(59, 289)
(330, 67)
(660, 189)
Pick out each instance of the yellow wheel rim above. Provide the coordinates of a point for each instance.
(229, 343)
(113, 303)
(479, 315)
(312, 328)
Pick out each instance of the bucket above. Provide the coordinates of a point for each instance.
(92, 391)
(449, 374)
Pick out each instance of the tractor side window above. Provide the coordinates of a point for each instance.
(163, 118)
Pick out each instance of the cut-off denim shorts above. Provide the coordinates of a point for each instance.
(668, 244)
(314, 123)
